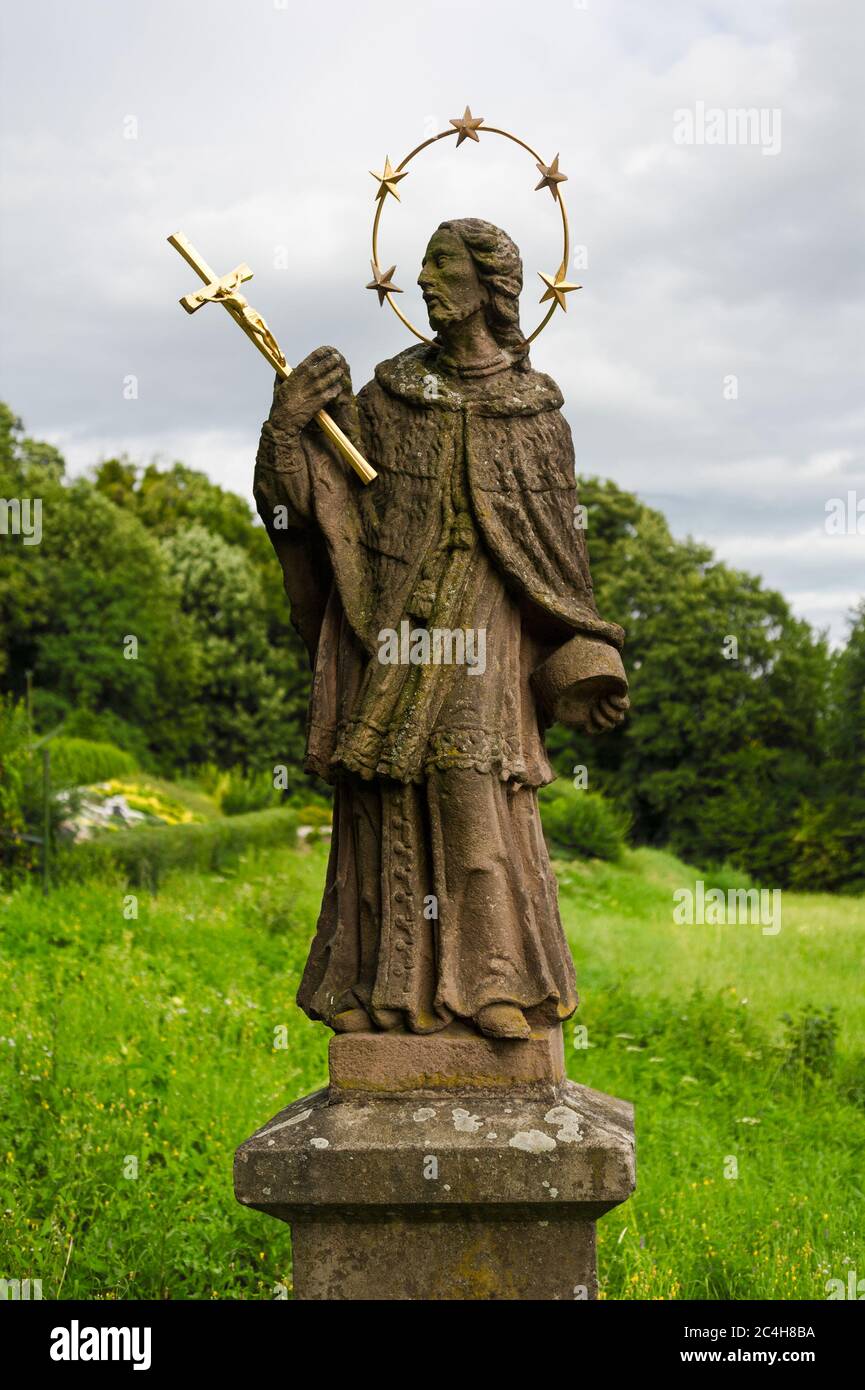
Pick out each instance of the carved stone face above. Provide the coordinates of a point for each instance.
(449, 281)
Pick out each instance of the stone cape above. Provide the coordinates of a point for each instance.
(471, 520)
(520, 463)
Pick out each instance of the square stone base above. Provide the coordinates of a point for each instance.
(455, 1059)
(472, 1257)
(443, 1191)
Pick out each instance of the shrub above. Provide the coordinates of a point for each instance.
(145, 854)
(79, 762)
(727, 878)
(22, 794)
(16, 854)
(313, 806)
(830, 844)
(314, 813)
(810, 1043)
(851, 1081)
(241, 792)
(104, 726)
(582, 824)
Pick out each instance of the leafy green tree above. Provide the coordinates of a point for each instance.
(727, 688)
(258, 719)
(169, 500)
(831, 830)
(746, 740)
(92, 610)
(245, 709)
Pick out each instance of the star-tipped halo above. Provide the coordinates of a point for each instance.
(467, 126)
(551, 177)
(388, 180)
(556, 289)
(382, 283)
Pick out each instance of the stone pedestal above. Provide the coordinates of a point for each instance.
(443, 1167)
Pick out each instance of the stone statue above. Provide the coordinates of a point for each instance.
(449, 617)
(448, 612)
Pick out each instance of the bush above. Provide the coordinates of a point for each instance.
(313, 805)
(241, 792)
(830, 844)
(727, 878)
(582, 824)
(22, 795)
(314, 813)
(79, 762)
(810, 1043)
(104, 726)
(16, 776)
(144, 855)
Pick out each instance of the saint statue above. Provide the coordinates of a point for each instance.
(440, 904)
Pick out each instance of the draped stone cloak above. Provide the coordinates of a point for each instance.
(439, 897)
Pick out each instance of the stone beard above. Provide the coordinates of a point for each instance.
(440, 903)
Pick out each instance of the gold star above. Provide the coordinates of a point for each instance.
(467, 126)
(551, 177)
(556, 289)
(388, 180)
(382, 283)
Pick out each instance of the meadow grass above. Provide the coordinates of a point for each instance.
(138, 1052)
(686, 1021)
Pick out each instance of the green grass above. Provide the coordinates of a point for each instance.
(686, 1022)
(153, 1039)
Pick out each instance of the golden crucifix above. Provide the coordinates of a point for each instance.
(225, 290)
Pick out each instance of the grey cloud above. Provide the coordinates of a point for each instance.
(256, 128)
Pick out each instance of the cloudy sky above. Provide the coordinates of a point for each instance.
(713, 360)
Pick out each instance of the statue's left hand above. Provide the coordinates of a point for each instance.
(606, 713)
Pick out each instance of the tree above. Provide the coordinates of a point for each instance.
(727, 688)
(831, 830)
(746, 741)
(92, 611)
(255, 725)
(248, 717)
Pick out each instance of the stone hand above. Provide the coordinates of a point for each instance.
(320, 378)
(606, 713)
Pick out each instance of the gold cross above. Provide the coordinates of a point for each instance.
(225, 290)
(217, 289)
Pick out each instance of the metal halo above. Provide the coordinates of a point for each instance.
(400, 168)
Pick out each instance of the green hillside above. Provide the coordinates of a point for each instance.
(137, 1052)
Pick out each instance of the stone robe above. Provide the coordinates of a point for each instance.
(439, 897)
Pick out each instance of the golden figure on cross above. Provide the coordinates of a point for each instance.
(223, 289)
